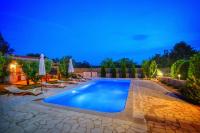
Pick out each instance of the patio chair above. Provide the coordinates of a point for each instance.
(16, 91)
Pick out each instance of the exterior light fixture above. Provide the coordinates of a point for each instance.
(13, 67)
(179, 76)
(159, 73)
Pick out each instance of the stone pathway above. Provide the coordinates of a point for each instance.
(34, 118)
(164, 112)
(20, 114)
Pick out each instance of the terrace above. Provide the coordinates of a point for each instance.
(150, 107)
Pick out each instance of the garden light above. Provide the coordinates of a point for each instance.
(179, 76)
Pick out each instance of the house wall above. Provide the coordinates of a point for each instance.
(16, 73)
(108, 74)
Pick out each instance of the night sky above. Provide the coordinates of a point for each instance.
(95, 29)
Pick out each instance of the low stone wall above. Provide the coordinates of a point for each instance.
(173, 82)
(108, 74)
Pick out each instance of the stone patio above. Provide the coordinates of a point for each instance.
(160, 110)
(164, 112)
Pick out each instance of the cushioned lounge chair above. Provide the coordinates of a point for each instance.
(16, 91)
(69, 81)
(53, 85)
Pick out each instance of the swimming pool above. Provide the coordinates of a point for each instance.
(98, 95)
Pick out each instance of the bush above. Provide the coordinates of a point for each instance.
(103, 71)
(113, 72)
(194, 71)
(183, 70)
(153, 69)
(132, 71)
(192, 91)
(63, 66)
(174, 68)
(191, 94)
(30, 68)
(123, 70)
(4, 62)
(145, 68)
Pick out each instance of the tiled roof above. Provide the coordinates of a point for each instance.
(26, 58)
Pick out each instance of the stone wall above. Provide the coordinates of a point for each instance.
(108, 74)
(173, 82)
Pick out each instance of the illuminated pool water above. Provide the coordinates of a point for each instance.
(99, 95)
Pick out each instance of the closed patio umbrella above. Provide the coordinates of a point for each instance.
(42, 70)
(70, 67)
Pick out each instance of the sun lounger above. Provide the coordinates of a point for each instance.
(78, 79)
(53, 85)
(16, 91)
(68, 81)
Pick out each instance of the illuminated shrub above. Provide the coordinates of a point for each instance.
(192, 91)
(153, 69)
(174, 68)
(194, 71)
(183, 70)
(145, 68)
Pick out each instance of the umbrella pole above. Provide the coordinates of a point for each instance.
(41, 83)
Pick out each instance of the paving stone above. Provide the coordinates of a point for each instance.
(107, 130)
(66, 128)
(163, 113)
(97, 130)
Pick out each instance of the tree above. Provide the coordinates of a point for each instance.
(33, 55)
(5, 47)
(192, 90)
(173, 70)
(181, 50)
(103, 71)
(194, 71)
(127, 61)
(56, 60)
(4, 62)
(123, 69)
(183, 70)
(162, 60)
(175, 67)
(107, 63)
(63, 66)
(48, 66)
(113, 71)
(153, 69)
(145, 68)
(132, 71)
(83, 64)
(30, 68)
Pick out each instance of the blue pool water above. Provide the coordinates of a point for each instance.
(99, 95)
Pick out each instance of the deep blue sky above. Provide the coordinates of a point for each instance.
(95, 29)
